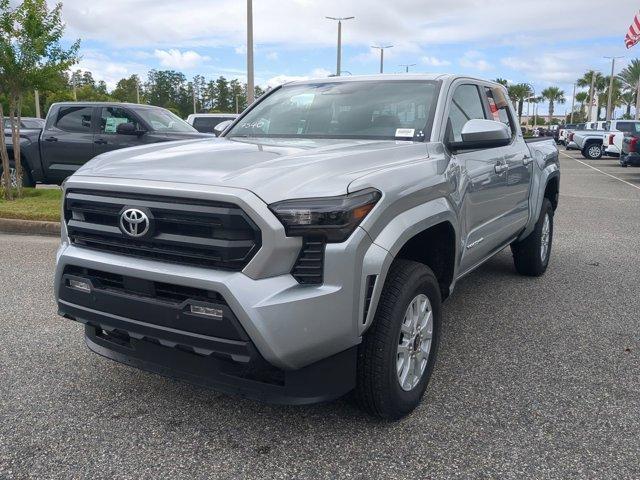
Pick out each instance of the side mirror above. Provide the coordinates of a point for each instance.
(221, 127)
(481, 133)
(128, 129)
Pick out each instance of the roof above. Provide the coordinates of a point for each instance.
(389, 77)
(108, 104)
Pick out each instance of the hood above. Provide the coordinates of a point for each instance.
(274, 170)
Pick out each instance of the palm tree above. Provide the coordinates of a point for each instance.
(582, 97)
(519, 94)
(554, 95)
(585, 81)
(628, 98)
(501, 81)
(630, 77)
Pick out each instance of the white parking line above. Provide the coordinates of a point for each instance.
(598, 170)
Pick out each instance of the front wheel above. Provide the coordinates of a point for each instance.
(397, 354)
(531, 255)
(27, 182)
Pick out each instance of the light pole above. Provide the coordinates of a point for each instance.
(339, 55)
(406, 66)
(610, 97)
(382, 49)
(250, 81)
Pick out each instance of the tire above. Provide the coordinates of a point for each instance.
(592, 151)
(528, 255)
(378, 388)
(27, 182)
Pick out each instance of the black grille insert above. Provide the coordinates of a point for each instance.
(309, 267)
(186, 231)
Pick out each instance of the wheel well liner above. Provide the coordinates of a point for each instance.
(552, 191)
(434, 247)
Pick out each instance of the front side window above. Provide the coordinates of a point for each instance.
(74, 119)
(207, 124)
(111, 117)
(164, 121)
(386, 110)
(466, 105)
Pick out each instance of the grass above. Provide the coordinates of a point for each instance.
(36, 204)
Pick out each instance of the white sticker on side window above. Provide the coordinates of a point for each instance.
(405, 132)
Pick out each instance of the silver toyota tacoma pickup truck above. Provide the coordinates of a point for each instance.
(306, 252)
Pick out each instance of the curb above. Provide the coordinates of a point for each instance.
(29, 227)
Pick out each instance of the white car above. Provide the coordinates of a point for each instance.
(206, 122)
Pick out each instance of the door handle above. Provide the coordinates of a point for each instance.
(501, 167)
(101, 141)
(51, 139)
(527, 160)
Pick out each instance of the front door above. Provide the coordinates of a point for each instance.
(106, 137)
(482, 207)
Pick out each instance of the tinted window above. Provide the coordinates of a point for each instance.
(386, 109)
(466, 105)
(629, 127)
(74, 119)
(499, 107)
(206, 124)
(111, 117)
(162, 120)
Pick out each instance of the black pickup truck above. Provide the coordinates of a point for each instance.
(75, 132)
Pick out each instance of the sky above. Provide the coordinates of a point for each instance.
(542, 42)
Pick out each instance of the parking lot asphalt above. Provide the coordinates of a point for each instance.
(536, 378)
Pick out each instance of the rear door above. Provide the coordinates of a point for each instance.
(107, 139)
(67, 141)
(482, 207)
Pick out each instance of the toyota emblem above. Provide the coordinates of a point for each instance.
(134, 222)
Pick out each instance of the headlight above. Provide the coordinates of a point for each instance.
(333, 218)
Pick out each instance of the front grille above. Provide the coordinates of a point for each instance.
(185, 231)
(309, 266)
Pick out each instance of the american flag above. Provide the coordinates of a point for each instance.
(633, 35)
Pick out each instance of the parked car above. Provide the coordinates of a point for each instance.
(26, 123)
(307, 251)
(570, 144)
(206, 122)
(562, 133)
(616, 130)
(75, 132)
(630, 154)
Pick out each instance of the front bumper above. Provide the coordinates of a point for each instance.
(293, 331)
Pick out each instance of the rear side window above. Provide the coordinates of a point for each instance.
(629, 127)
(74, 119)
(466, 105)
(499, 107)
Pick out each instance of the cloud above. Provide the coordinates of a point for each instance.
(281, 79)
(174, 58)
(188, 24)
(241, 49)
(474, 60)
(434, 61)
(272, 56)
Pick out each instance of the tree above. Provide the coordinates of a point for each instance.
(224, 99)
(582, 97)
(519, 94)
(554, 95)
(630, 77)
(586, 81)
(31, 57)
(127, 90)
(501, 81)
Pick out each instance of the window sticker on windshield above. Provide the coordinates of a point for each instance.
(405, 132)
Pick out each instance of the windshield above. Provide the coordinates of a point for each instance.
(163, 120)
(392, 109)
